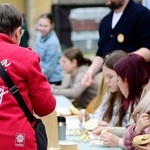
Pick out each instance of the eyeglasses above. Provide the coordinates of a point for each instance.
(22, 32)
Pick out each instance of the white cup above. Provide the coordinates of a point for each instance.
(52, 148)
(68, 145)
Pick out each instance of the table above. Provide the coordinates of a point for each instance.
(62, 101)
(86, 146)
(73, 123)
(62, 105)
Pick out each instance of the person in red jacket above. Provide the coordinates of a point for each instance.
(22, 64)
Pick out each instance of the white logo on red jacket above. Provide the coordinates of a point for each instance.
(5, 63)
(20, 140)
(2, 92)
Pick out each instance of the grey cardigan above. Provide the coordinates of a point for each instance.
(82, 94)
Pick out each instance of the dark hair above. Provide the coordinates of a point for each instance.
(10, 19)
(48, 16)
(134, 68)
(109, 61)
(75, 53)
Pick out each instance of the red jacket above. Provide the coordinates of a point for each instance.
(22, 64)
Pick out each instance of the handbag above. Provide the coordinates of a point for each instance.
(39, 127)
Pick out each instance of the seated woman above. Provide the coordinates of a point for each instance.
(76, 65)
(110, 113)
(48, 47)
(133, 74)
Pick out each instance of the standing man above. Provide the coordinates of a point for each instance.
(23, 66)
(126, 27)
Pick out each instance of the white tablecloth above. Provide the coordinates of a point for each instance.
(72, 123)
(62, 105)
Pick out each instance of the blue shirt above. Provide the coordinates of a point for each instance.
(49, 50)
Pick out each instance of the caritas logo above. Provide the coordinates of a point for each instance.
(20, 140)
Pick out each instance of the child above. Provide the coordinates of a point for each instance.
(48, 48)
(76, 65)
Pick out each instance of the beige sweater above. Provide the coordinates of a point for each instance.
(144, 104)
(82, 94)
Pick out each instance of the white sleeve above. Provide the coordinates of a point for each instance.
(98, 114)
(121, 144)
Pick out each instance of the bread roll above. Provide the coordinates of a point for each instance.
(74, 110)
(91, 124)
(142, 139)
(104, 131)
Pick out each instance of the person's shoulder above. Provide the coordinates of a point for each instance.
(146, 89)
(52, 38)
(104, 21)
(107, 94)
(38, 37)
(26, 51)
(140, 9)
(147, 86)
(107, 16)
(83, 68)
(25, 55)
(53, 35)
(106, 97)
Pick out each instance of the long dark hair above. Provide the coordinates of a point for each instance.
(75, 53)
(109, 61)
(136, 71)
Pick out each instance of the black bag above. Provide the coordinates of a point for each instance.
(41, 137)
(39, 127)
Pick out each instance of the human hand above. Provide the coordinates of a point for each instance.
(88, 78)
(109, 139)
(142, 123)
(142, 147)
(99, 129)
(82, 114)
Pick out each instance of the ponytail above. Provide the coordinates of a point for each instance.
(75, 53)
(87, 61)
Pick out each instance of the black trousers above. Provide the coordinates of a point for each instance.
(56, 83)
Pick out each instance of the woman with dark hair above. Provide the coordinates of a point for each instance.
(133, 74)
(48, 47)
(75, 64)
